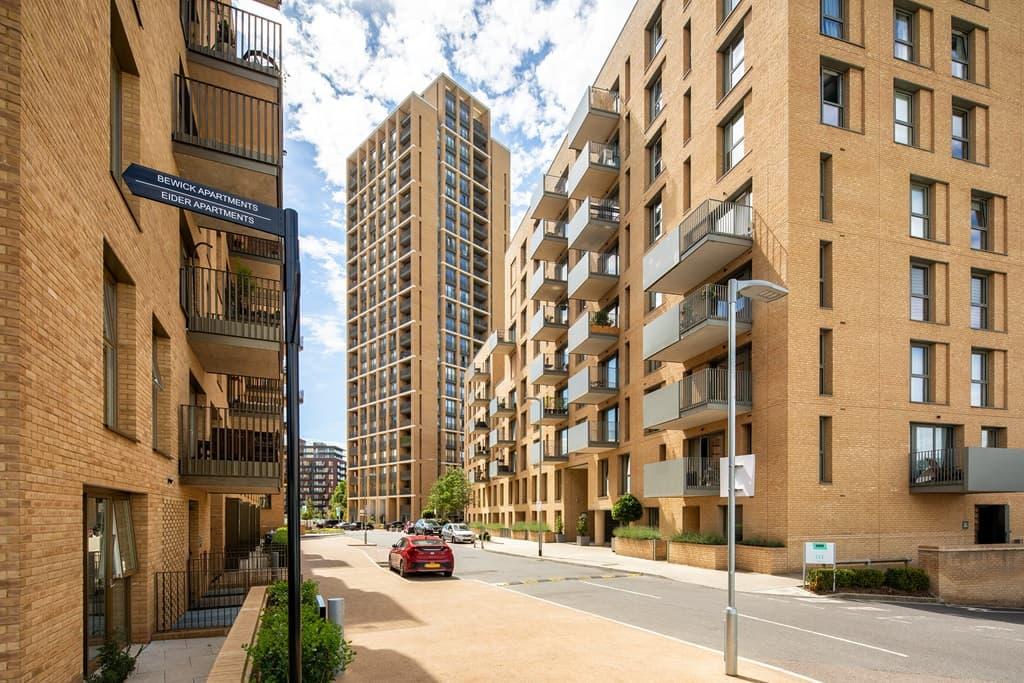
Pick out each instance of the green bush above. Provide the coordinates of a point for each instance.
(530, 526)
(277, 594)
(581, 524)
(280, 536)
(644, 533)
(762, 542)
(627, 509)
(477, 525)
(709, 538)
(116, 662)
(909, 579)
(494, 526)
(519, 526)
(868, 578)
(820, 580)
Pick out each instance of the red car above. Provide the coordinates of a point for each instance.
(421, 554)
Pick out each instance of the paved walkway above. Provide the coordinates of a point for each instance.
(603, 557)
(187, 660)
(437, 629)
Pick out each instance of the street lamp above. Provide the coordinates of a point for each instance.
(757, 290)
(540, 469)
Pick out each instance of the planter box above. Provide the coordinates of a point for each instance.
(699, 555)
(549, 537)
(519, 535)
(644, 549)
(504, 533)
(233, 663)
(751, 558)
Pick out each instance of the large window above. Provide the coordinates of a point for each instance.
(833, 23)
(979, 224)
(979, 301)
(732, 141)
(961, 136)
(734, 68)
(903, 35)
(655, 226)
(920, 373)
(655, 159)
(920, 291)
(655, 37)
(979, 378)
(960, 55)
(920, 211)
(833, 98)
(903, 117)
(930, 438)
(655, 100)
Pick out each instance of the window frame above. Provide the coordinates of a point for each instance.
(925, 216)
(826, 20)
(925, 296)
(981, 382)
(824, 449)
(825, 274)
(602, 478)
(655, 98)
(110, 359)
(964, 62)
(731, 146)
(655, 159)
(840, 105)
(625, 474)
(730, 77)
(907, 43)
(655, 217)
(909, 123)
(963, 140)
(982, 230)
(982, 304)
(924, 375)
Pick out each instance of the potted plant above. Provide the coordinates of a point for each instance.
(581, 530)
(627, 509)
(559, 529)
(600, 319)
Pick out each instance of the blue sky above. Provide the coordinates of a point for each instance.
(348, 62)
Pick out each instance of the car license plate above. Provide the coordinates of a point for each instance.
(432, 565)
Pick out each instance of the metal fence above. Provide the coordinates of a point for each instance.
(711, 385)
(711, 302)
(247, 245)
(215, 442)
(942, 467)
(220, 30)
(715, 217)
(235, 304)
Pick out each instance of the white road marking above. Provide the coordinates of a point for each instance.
(824, 635)
(653, 633)
(621, 590)
(821, 601)
(865, 608)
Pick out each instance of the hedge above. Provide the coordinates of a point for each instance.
(762, 542)
(530, 526)
(905, 579)
(710, 538)
(644, 533)
(280, 536)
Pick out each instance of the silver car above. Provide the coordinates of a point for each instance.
(456, 532)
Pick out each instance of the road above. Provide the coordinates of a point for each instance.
(823, 638)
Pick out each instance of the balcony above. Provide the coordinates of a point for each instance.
(480, 427)
(593, 333)
(694, 325)
(593, 385)
(233, 321)
(249, 247)
(548, 242)
(478, 372)
(548, 282)
(548, 369)
(593, 276)
(596, 117)
(592, 437)
(501, 407)
(967, 470)
(479, 453)
(594, 172)
(549, 323)
(709, 238)
(554, 411)
(595, 222)
(500, 438)
(219, 30)
(550, 201)
(686, 476)
(497, 469)
(227, 139)
(477, 476)
(500, 343)
(255, 395)
(551, 449)
(697, 399)
(480, 398)
(222, 452)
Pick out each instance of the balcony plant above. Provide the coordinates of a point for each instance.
(600, 319)
(581, 530)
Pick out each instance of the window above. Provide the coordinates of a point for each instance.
(832, 21)
(961, 143)
(920, 291)
(903, 35)
(655, 159)
(728, 6)
(979, 378)
(903, 117)
(655, 37)
(732, 141)
(920, 211)
(825, 449)
(733, 63)
(960, 55)
(832, 98)
(653, 517)
(825, 362)
(993, 437)
(654, 219)
(825, 187)
(979, 224)
(160, 426)
(930, 438)
(920, 373)
(116, 116)
(655, 100)
(109, 350)
(825, 274)
(625, 475)
(979, 301)
(738, 526)
(602, 478)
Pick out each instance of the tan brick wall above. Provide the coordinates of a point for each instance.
(978, 575)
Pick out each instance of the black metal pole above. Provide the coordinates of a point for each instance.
(291, 297)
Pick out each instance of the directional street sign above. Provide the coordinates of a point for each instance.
(209, 201)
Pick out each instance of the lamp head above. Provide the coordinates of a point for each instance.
(760, 290)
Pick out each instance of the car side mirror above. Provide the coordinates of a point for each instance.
(394, 545)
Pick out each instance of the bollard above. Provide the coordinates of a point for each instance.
(336, 611)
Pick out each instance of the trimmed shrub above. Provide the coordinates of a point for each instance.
(644, 533)
(909, 579)
(530, 526)
(820, 580)
(627, 509)
(277, 594)
(868, 578)
(477, 525)
(762, 542)
(710, 538)
(280, 536)
(494, 526)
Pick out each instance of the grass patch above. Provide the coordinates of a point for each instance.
(642, 533)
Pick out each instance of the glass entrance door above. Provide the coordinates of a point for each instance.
(110, 559)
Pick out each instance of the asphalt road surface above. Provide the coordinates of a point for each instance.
(823, 638)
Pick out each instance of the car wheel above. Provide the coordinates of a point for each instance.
(447, 574)
(401, 568)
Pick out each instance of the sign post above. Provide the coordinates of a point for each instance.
(185, 194)
(818, 552)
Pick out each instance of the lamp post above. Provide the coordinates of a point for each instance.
(540, 469)
(756, 290)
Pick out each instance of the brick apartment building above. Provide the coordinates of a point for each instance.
(141, 345)
(863, 153)
(428, 214)
(321, 468)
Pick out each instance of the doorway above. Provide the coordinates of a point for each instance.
(991, 523)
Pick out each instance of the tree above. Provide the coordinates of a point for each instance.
(307, 509)
(339, 499)
(627, 509)
(450, 494)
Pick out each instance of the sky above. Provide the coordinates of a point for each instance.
(349, 62)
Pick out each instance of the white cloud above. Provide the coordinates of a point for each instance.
(329, 256)
(326, 332)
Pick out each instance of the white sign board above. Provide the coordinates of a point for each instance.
(816, 552)
(744, 476)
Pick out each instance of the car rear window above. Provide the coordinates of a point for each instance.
(426, 543)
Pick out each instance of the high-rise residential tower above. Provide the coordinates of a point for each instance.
(321, 468)
(428, 213)
(862, 153)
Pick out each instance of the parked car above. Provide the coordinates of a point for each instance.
(421, 554)
(396, 526)
(410, 528)
(360, 526)
(457, 532)
(427, 527)
(332, 523)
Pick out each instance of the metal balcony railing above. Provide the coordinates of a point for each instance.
(603, 432)
(603, 100)
(226, 121)
(220, 30)
(711, 385)
(556, 315)
(246, 245)
(255, 394)
(554, 184)
(603, 209)
(715, 217)
(602, 154)
(234, 304)
(711, 302)
(553, 228)
(942, 467)
(603, 264)
(602, 378)
(701, 473)
(555, 362)
(216, 442)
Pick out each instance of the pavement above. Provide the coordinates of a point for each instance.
(526, 618)
(185, 660)
(466, 629)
